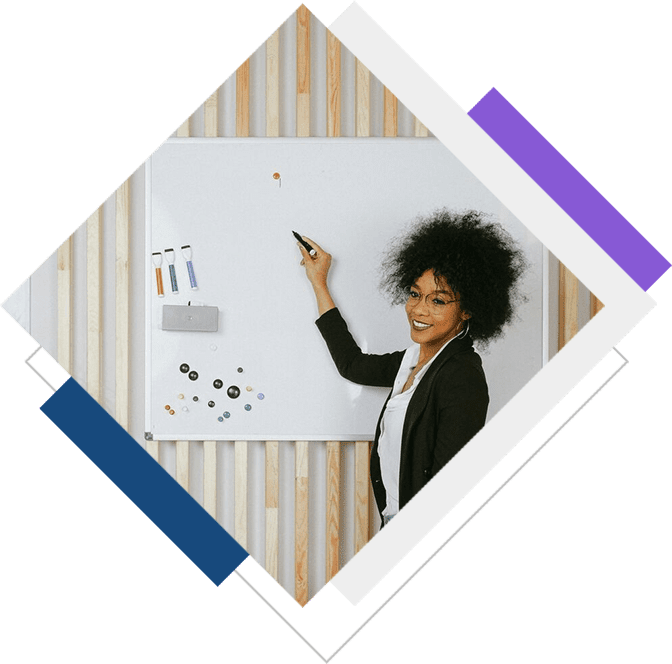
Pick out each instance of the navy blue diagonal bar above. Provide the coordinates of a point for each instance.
(143, 480)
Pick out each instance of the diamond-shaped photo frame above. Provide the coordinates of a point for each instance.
(598, 270)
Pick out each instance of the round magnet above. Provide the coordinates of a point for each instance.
(233, 391)
(260, 396)
(195, 398)
(171, 411)
(227, 414)
(184, 368)
(185, 409)
(193, 375)
(180, 396)
(213, 347)
(220, 419)
(211, 404)
(248, 407)
(276, 176)
(249, 388)
(217, 384)
(167, 407)
(240, 369)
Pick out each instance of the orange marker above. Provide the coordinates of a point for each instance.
(157, 258)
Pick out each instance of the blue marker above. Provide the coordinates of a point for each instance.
(186, 252)
(170, 258)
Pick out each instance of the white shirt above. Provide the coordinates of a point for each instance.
(392, 424)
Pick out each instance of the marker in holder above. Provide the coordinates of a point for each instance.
(170, 258)
(186, 252)
(157, 259)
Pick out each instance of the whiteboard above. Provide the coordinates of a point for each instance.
(235, 202)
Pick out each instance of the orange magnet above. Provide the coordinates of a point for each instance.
(276, 176)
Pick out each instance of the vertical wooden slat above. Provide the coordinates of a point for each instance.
(333, 508)
(243, 99)
(568, 309)
(301, 522)
(94, 304)
(302, 71)
(152, 447)
(210, 477)
(210, 114)
(240, 493)
(182, 463)
(389, 114)
(333, 85)
(361, 494)
(64, 262)
(272, 491)
(419, 129)
(362, 100)
(122, 304)
(272, 452)
(595, 305)
(183, 131)
(273, 84)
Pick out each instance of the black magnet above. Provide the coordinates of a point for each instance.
(240, 369)
(211, 404)
(184, 368)
(218, 384)
(233, 392)
(195, 398)
(193, 375)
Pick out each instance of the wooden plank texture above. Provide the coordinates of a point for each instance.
(122, 304)
(595, 305)
(152, 447)
(94, 304)
(240, 493)
(272, 495)
(389, 114)
(273, 85)
(210, 477)
(64, 268)
(182, 463)
(333, 508)
(333, 85)
(184, 130)
(302, 71)
(243, 99)
(210, 115)
(301, 522)
(362, 100)
(419, 129)
(361, 494)
(568, 309)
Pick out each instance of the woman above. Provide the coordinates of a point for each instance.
(458, 275)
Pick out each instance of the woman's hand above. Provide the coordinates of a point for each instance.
(317, 270)
(317, 267)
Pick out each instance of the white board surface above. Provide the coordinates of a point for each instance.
(350, 195)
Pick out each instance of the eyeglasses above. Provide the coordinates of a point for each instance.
(436, 303)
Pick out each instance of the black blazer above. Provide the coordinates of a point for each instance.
(446, 410)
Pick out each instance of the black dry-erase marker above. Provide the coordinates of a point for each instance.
(306, 246)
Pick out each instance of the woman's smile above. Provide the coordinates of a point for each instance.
(418, 325)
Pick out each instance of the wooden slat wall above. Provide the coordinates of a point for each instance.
(364, 507)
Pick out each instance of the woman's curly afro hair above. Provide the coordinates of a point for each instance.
(477, 257)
